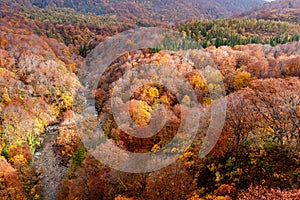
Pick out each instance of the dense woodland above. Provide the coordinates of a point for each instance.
(259, 134)
(233, 32)
(42, 52)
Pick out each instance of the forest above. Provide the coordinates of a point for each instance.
(252, 64)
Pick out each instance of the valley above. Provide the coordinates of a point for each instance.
(240, 59)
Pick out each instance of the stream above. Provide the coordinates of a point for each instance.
(47, 164)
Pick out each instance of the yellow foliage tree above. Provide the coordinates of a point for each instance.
(140, 112)
(197, 81)
(242, 80)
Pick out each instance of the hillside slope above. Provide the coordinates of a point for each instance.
(145, 10)
(284, 10)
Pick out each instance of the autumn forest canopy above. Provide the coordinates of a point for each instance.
(240, 56)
